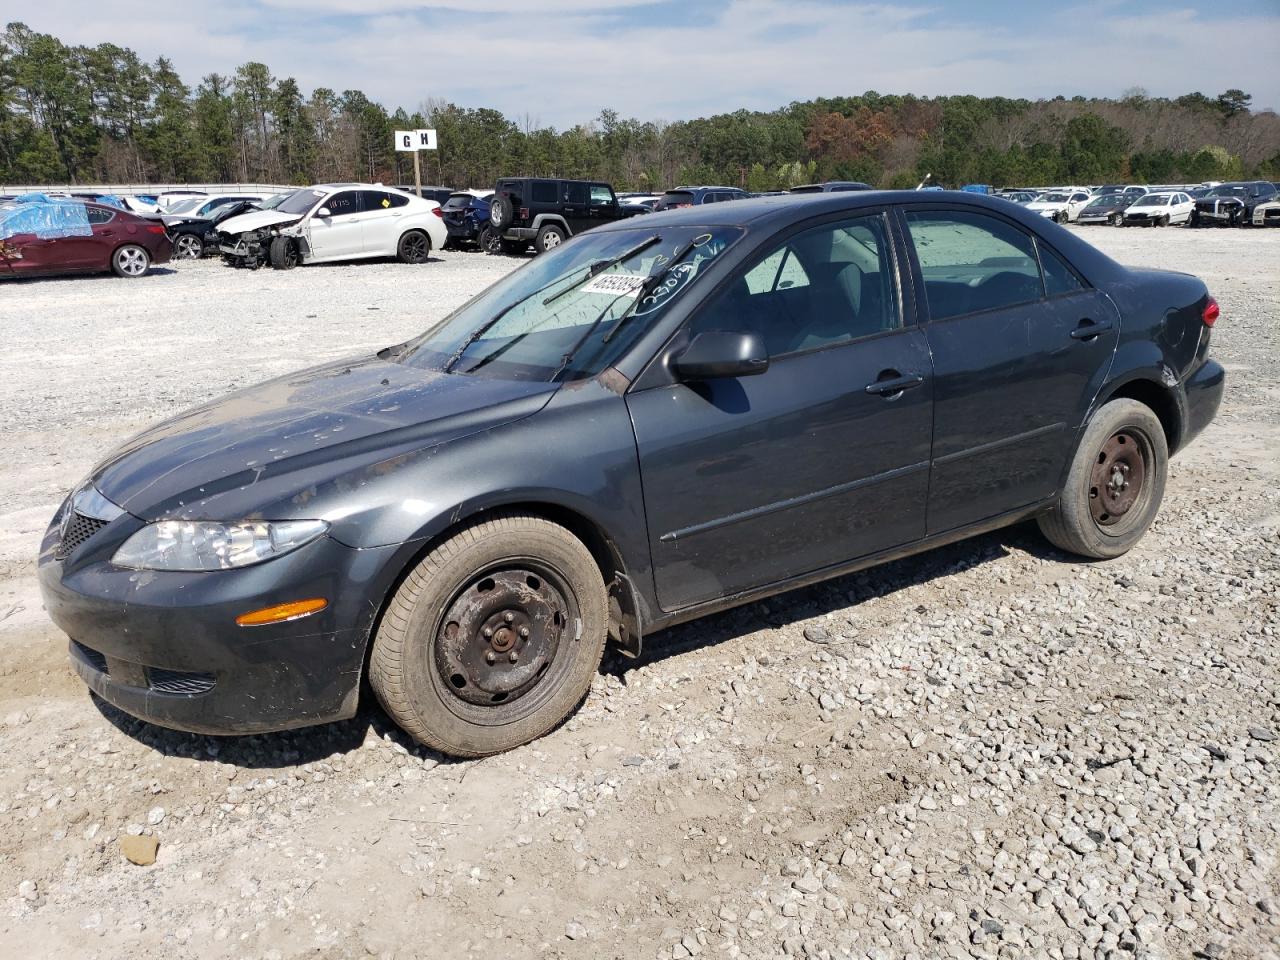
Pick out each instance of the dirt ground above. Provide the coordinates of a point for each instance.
(988, 750)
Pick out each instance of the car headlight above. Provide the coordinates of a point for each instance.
(193, 545)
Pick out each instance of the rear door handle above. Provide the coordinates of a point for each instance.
(892, 386)
(1089, 329)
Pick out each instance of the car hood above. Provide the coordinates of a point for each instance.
(242, 455)
(257, 220)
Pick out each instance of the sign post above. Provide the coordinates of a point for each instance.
(415, 141)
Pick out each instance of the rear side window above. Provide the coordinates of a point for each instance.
(98, 215)
(542, 191)
(1058, 277)
(972, 262)
(377, 200)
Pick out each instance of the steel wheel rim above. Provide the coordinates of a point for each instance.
(520, 607)
(132, 261)
(187, 247)
(1117, 481)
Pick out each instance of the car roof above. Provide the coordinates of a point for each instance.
(702, 187)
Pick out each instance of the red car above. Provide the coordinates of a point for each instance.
(42, 237)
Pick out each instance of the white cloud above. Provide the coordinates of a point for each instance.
(563, 68)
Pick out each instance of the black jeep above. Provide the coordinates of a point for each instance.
(545, 212)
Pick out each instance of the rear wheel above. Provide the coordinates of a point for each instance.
(131, 261)
(1115, 484)
(188, 247)
(493, 639)
(414, 247)
(283, 253)
(549, 237)
(490, 241)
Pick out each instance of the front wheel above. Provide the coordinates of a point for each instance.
(283, 253)
(493, 638)
(1115, 484)
(414, 247)
(131, 261)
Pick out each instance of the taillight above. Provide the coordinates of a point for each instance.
(438, 212)
(1209, 315)
(524, 213)
(155, 228)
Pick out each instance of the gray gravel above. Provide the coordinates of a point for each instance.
(985, 751)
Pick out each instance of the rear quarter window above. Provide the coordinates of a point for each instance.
(543, 191)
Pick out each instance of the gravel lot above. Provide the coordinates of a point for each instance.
(985, 751)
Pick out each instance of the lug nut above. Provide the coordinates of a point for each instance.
(514, 656)
(490, 656)
(524, 633)
(508, 616)
(487, 632)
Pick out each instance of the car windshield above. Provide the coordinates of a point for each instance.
(1226, 191)
(271, 203)
(301, 201)
(232, 209)
(1053, 198)
(526, 325)
(1152, 200)
(1109, 200)
(186, 206)
(458, 201)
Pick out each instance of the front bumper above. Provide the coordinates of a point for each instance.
(165, 647)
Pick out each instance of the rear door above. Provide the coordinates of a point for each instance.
(821, 459)
(1019, 352)
(576, 205)
(382, 216)
(340, 234)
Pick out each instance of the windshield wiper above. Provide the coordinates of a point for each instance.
(592, 269)
(645, 289)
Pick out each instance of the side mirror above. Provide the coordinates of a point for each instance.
(323, 213)
(719, 354)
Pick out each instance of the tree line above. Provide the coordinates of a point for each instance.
(103, 114)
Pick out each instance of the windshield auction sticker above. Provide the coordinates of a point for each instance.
(616, 284)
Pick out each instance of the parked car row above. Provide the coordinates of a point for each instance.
(1233, 204)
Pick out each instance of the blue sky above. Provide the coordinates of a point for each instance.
(560, 61)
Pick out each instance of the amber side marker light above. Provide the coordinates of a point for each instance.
(282, 612)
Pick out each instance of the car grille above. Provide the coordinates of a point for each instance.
(176, 681)
(158, 679)
(80, 529)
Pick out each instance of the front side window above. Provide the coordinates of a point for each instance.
(343, 204)
(972, 262)
(828, 285)
(601, 196)
(575, 193)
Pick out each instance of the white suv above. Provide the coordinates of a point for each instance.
(335, 221)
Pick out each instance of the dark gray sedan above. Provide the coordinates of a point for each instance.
(662, 418)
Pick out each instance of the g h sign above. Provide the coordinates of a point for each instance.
(411, 141)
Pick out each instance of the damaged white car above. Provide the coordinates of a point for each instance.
(335, 221)
(1060, 206)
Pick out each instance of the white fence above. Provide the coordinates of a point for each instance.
(134, 189)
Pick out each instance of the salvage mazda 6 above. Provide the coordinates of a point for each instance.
(662, 418)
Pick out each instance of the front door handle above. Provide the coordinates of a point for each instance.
(891, 384)
(1089, 329)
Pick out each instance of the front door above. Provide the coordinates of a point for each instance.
(821, 459)
(576, 209)
(1020, 346)
(340, 234)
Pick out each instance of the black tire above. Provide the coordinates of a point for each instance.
(283, 253)
(446, 682)
(187, 246)
(1164, 221)
(131, 261)
(1115, 484)
(549, 237)
(490, 241)
(1194, 220)
(501, 212)
(414, 247)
